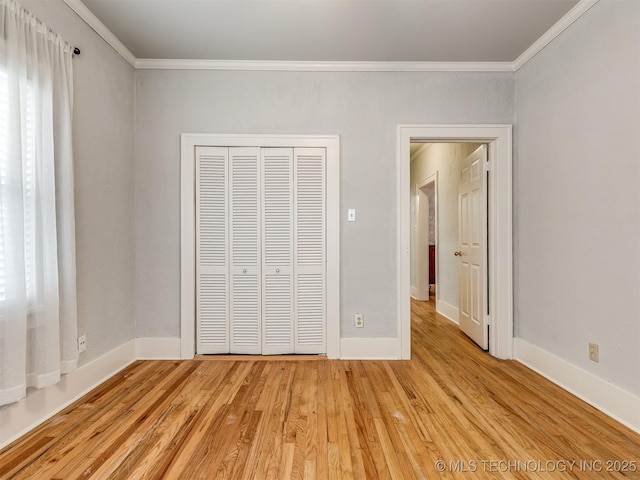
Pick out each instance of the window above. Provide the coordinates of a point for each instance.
(38, 313)
(7, 185)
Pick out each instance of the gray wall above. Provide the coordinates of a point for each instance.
(577, 184)
(363, 108)
(103, 147)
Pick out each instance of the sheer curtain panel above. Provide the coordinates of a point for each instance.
(38, 320)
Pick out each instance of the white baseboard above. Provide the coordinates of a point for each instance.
(447, 310)
(369, 349)
(18, 418)
(414, 291)
(616, 402)
(157, 348)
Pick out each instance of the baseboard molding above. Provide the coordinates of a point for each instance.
(369, 349)
(610, 399)
(447, 310)
(414, 291)
(18, 418)
(157, 348)
(39, 405)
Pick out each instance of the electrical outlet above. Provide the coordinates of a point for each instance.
(82, 343)
(359, 320)
(594, 354)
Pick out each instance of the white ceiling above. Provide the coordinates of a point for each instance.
(330, 30)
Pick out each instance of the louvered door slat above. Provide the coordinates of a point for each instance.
(246, 313)
(212, 269)
(261, 250)
(245, 250)
(310, 250)
(278, 324)
(277, 244)
(311, 310)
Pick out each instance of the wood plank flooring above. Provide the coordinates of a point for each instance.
(328, 419)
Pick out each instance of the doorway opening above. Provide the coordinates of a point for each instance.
(499, 225)
(435, 173)
(424, 226)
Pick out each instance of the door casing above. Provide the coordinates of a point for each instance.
(500, 231)
(421, 262)
(189, 141)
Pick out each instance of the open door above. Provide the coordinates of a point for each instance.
(472, 240)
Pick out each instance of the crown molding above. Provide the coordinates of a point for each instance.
(101, 29)
(259, 65)
(302, 66)
(560, 26)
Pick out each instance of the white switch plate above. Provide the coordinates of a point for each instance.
(351, 215)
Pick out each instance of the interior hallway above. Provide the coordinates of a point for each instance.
(243, 417)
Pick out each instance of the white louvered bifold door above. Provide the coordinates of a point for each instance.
(277, 253)
(212, 268)
(309, 250)
(245, 248)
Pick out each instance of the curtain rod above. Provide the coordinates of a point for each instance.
(15, 6)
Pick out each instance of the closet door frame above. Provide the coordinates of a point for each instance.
(189, 142)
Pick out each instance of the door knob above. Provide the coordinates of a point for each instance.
(458, 253)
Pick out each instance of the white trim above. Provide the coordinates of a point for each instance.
(610, 399)
(18, 418)
(414, 292)
(369, 349)
(187, 221)
(499, 138)
(101, 29)
(433, 178)
(448, 311)
(157, 348)
(306, 66)
(560, 26)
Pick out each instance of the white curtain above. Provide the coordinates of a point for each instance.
(38, 320)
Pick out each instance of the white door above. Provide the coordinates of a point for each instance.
(245, 247)
(277, 257)
(472, 235)
(310, 303)
(212, 247)
(261, 250)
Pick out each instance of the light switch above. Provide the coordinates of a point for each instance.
(351, 215)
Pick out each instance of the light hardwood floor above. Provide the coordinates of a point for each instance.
(281, 419)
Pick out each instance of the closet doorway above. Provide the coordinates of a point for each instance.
(260, 239)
